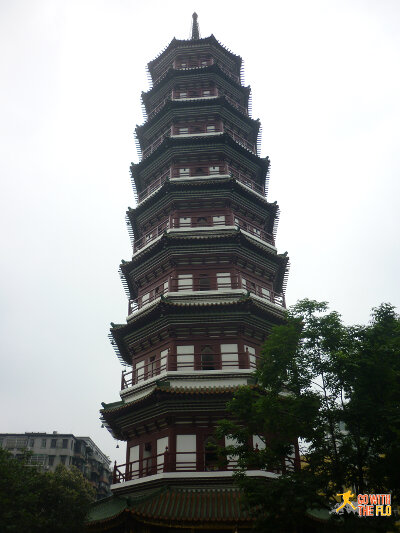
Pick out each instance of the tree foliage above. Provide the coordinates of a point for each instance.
(335, 390)
(41, 502)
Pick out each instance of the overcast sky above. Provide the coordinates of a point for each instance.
(325, 80)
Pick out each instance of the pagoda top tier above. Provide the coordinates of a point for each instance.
(178, 47)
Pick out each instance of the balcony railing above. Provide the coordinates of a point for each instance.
(240, 140)
(194, 362)
(194, 223)
(236, 105)
(155, 232)
(246, 180)
(154, 185)
(169, 462)
(205, 283)
(154, 145)
(249, 228)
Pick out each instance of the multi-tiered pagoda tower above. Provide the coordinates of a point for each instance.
(205, 286)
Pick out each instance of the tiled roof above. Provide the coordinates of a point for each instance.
(120, 406)
(174, 504)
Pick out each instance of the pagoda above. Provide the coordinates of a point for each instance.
(205, 286)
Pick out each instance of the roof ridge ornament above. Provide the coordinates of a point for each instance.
(195, 28)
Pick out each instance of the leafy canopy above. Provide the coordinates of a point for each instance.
(41, 502)
(334, 391)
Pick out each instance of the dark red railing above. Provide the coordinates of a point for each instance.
(153, 234)
(246, 180)
(207, 283)
(169, 462)
(154, 185)
(170, 362)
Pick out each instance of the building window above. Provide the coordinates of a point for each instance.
(185, 282)
(213, 170)
(204, 282)
(207, 358)
(183, 172)
(183, 130)
(207, 93)
(183, 94)
(219, 220)
(53, 443)
(185, 222)
(63, 459)
(224, 280)
(44, 443)
(185, 357)
(210, 454)
(65, 443)
(51, 460)
(31, 443)
(210, 128)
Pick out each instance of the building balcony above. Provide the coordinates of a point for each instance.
(170, 462)
(202, 287)
(175, 175)
(194, 362)
(177, 465)
(194, 224)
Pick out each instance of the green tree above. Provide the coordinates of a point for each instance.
(41, 502)
(334, 390)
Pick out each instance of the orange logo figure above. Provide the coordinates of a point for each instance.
(346, 500)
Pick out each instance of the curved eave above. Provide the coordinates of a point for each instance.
(225, 184)
(182, 43)
(161, 308)
(168, 238)
(179, 105)
(178, 73)
(186, 142)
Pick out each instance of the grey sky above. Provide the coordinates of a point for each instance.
(325, 79)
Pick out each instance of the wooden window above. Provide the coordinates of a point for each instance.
(145, 298)
(183, 94)
(206, 92)
(185, 282)
(185, 453)
(183, 130)
(134, 461)
(229, 356)
(185, 222)
(152, 366)
(219, 220)
(162, 445)
(224, 280)
(213, 170)
(139, 367)
(204, 282)
(147, 459)
(207, 358)
(210, 454)
(265, 293)
(185, 357)
(183, 172)
(210, 128)
(252, 355)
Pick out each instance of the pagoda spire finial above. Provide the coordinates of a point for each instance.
(195, 28)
